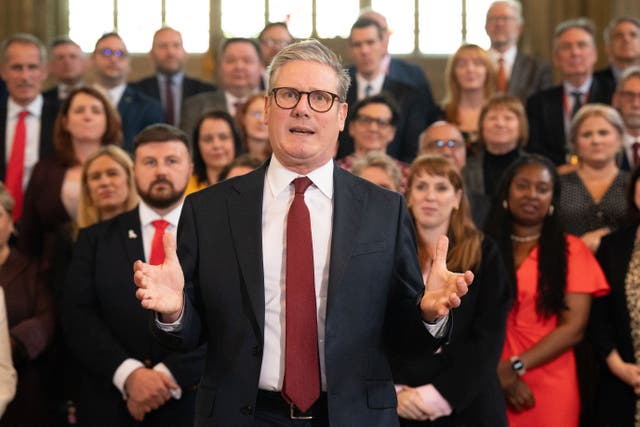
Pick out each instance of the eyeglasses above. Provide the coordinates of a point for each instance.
(255, 114)
(118, 53)
(368, 121)
(500, 18)
(319, 101)
(629, 96)
(452, 143)
(276, 43)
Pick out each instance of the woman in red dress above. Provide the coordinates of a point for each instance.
(556, 277)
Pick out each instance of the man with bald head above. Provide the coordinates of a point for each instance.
(444, 139)
(170, 85)
(518, 74)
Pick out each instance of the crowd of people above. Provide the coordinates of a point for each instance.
(534, 184)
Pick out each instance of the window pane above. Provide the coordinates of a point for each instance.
(401, 22)
(138, 33)
(440, 27)
(242, 18)
(296, 13)
(88, 21)
(334, 18)
(476, 17)
(191, 18)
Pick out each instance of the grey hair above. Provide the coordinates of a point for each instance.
(628, 73)
(606, 34)
(311, 50)
(379, 159)
(581, 23)
(23, 38)
(513, 4)
(607, 112)
(6, 201)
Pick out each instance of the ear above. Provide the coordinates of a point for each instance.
(458, 198)
(342, 114)
(267, 109)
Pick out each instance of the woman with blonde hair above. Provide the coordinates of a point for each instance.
(449, 385)
(470, 79)
(107, 186)
(255, 134)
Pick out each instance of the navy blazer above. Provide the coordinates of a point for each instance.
(137, 111)
(414, 118)
(104, 325)
(545, 111)
(374, 287)
(47, 120)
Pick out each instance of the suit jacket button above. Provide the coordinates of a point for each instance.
(246, 410)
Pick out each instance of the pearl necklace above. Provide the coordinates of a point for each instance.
(525, 239)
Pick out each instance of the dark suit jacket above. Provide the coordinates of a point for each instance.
(464, 372)
(196, 105)
(413, 119)
(104, 324)
(610, 329)
(412, 75)
(545, 111)
(607, 78)
(47, 120)
(374, 285)
(149, 86)
(528, 76)
(137, 111)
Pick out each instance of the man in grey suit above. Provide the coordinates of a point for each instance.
(239, 76)
(354, 259)
(524, 75)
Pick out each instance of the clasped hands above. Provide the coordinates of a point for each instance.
(160, 287)
(147, 390)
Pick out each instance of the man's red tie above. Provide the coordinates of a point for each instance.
(170, 115)
(302, 367)
(157, 248)
(501, 76)
(15, 167)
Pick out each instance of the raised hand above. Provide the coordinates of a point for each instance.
(443, 288)
(160, 286)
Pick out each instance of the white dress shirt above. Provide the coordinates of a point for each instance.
(32, 123)
(277, 197)
(113, 94)
(508, 58)
(568, 107)
(376, 85)
(147, 216)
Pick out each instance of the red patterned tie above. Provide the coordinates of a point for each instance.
(302, 367)
(15, 167)
(157, 248)
(170, 115)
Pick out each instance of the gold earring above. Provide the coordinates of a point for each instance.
(505, 204)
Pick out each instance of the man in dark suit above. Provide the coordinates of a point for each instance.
(168, 57)
(522, 75)
(24, 70)
(550, 111)
(368, 78)
(626, 100)
(68, 65)
(353, 272)
(111, 66)
(622, 44)
(126, 375)
(239, 76)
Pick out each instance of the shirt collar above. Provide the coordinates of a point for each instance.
(147, 215)
(509, 56)
(279, 177)
(583, 89)
(34, 109)
(175, 78)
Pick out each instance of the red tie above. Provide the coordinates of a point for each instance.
(501, 78)
(170, 115)
(302, 367)
(157, 248)
(15, 167)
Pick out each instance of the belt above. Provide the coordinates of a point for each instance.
(274, 401)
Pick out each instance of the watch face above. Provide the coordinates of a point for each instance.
(517, 365)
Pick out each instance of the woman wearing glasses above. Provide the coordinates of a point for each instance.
(372, 128)
(503, 132)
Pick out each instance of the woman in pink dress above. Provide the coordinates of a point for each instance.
(555, 277)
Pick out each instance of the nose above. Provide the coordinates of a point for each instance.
(302, 107)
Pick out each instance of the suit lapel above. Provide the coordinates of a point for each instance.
(348, 208)
(245, 217)
(131, 234)
(3, 133)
